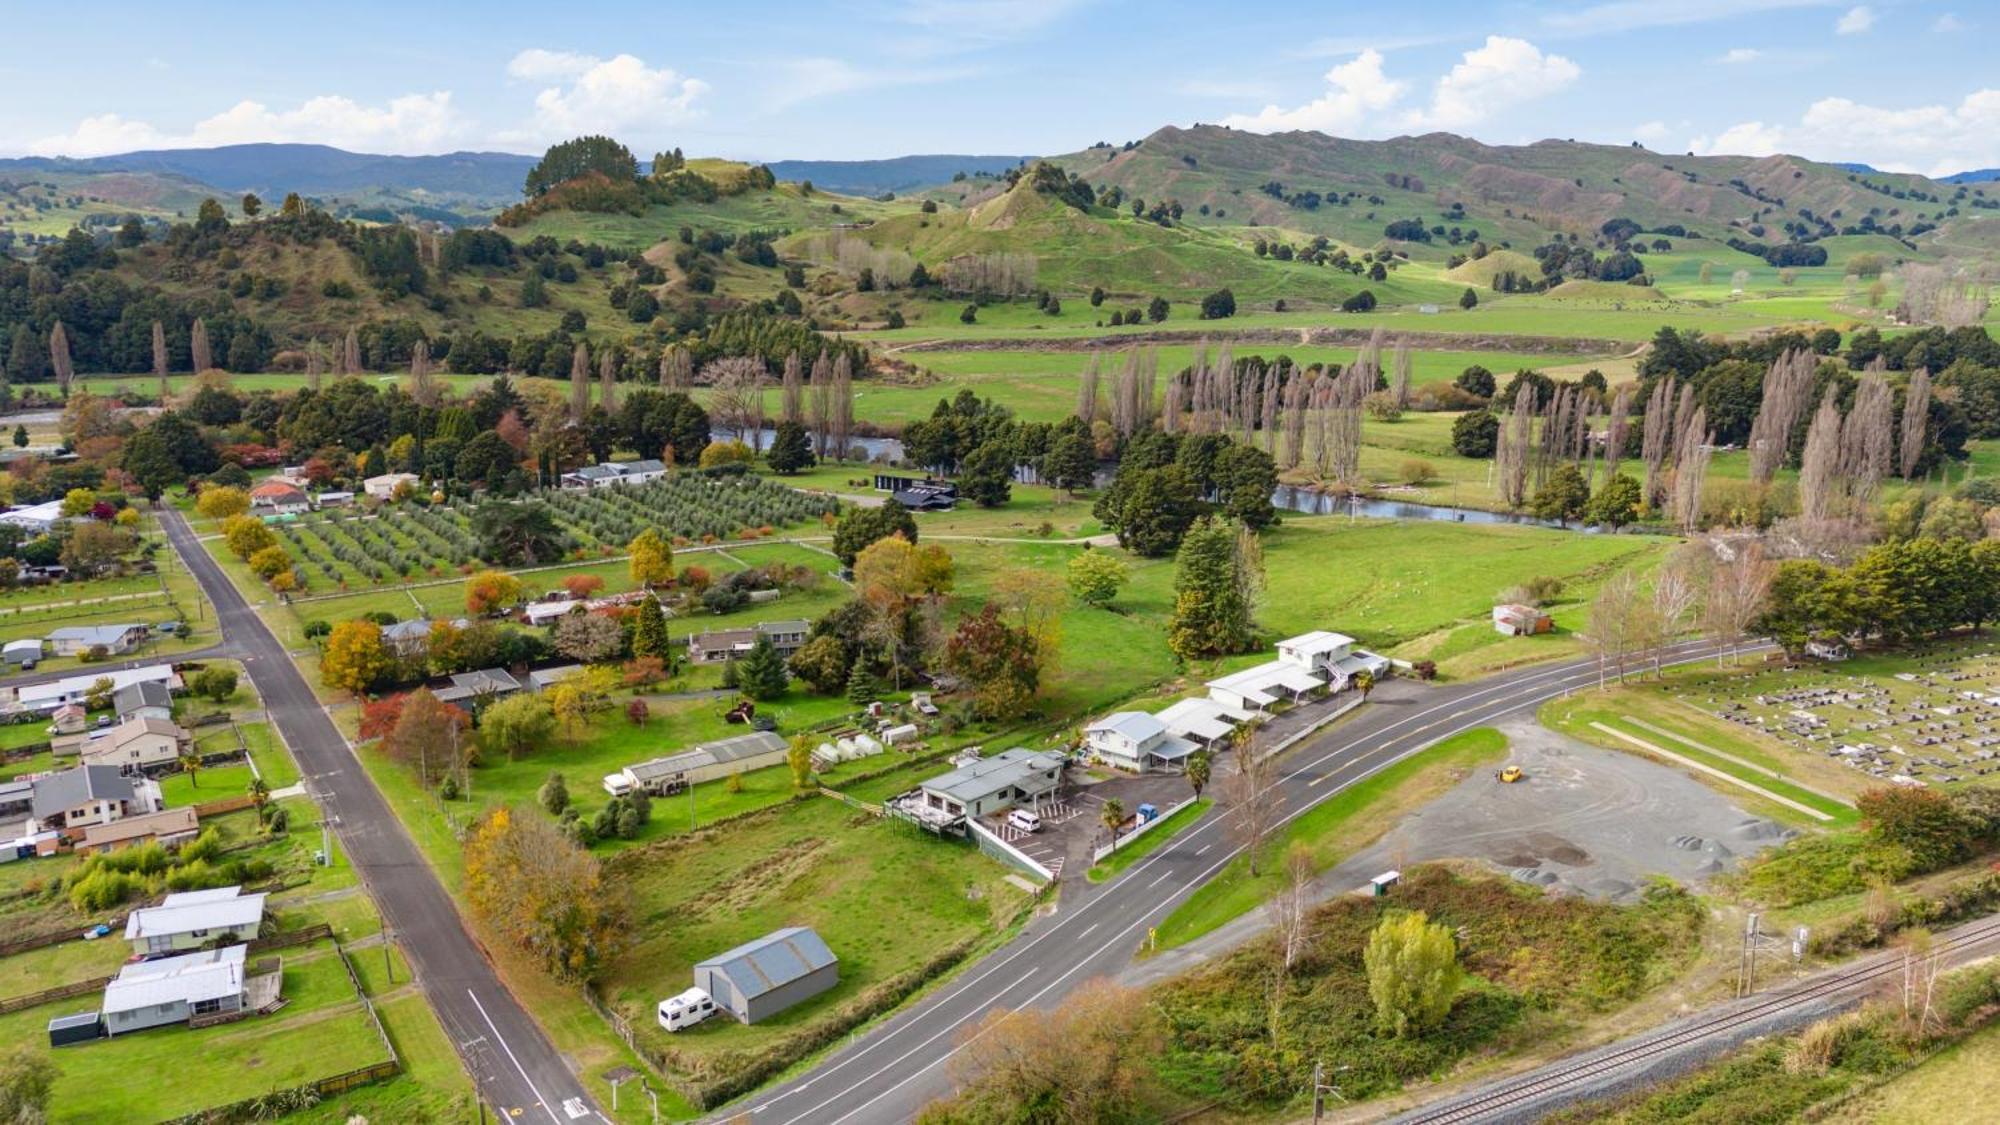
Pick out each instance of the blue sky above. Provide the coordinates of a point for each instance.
(1903, 85)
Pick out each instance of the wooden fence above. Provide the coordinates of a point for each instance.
(52, 937)
(224, 805)
(50, 995)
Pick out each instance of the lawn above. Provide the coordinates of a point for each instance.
(322, 1032)
(1332, 830)
(887, 898)
(1115, 863)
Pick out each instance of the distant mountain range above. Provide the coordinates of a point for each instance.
(1980, 176)
(902, 173)
(320, 170)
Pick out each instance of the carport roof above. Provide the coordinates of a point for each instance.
(772, 961)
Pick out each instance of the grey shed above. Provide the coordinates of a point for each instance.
(764, 977)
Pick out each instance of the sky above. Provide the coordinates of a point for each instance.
(1905, 85)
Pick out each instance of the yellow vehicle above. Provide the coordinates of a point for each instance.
(1511, 774)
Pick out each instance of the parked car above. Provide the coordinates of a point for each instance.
(1024, 820)
(684, 1011)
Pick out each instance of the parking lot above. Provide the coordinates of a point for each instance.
(1073, 824)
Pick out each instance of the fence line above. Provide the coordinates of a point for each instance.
(1005, 852)
(1099, 854)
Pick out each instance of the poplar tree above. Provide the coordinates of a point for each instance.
(59, 359)
(198, 346)
(579, 382)
(1916, 415)
(160, 359)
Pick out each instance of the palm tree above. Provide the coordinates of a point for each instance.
(1113, 816)
(1364, 682)
(1197, 771)
(259, 792)
(191, 764)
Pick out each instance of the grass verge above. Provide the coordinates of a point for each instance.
(1146, 845)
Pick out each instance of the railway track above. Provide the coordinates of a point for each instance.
(1527, 1094)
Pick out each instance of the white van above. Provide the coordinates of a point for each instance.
(1024, 820)
(686, 1010)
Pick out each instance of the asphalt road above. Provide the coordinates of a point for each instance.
(517, 1069)
(888, 1075)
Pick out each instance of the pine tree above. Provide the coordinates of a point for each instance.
(791, 449)
(761, 671)
(649, 630)
(1211, 617)
(860, 686)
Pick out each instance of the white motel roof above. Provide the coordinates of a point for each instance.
(1200, 718)
(1316, 642)
(1256, 684)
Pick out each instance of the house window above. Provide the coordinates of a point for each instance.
(197, 933)
(203, 1007)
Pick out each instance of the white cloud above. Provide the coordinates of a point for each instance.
(1490, 78)
(412, 123)
(1737, 56)
(1357, 92)
(1636, 15)
(1857, 20)
(600, 95)
(1948, 24)
(1932, 139)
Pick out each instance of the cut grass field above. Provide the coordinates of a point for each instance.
(323, 1031)
(1156, 837)
(887, 899)
(1332, 830)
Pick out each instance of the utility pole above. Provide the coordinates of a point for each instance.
(1755, 939)
(1322, 1088)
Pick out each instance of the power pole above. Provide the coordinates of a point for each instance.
(1321, 1089)
(1754, 939)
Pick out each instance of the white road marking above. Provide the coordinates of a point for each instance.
(1204, 849)
(498, 1038)
(1164, 876)
(1087, 929)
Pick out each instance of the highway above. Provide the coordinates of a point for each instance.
(890, 1073)
(518, 1071)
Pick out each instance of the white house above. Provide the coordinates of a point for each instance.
(990, 785)
(1134, 740)
(192, 919)
(73, 689)
(1202, 721)
(137, 744)
(71, 640)
(615, 472)
(1331, 656)
(176, 989)
(279, 497)
(384, 487)
(1255, 689)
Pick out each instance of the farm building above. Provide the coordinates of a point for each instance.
(1521, 620)
(705, 762)
(169, 828)
(919, 494)
(719, 645)
(73, 689)
(71, 640)
(35, 519)
(193, 919)
(177, 989)
(384, 487)
(471, 689)
(1137, 741)
(759, 979)
(614, 473)
(144, 700)
(542, 679)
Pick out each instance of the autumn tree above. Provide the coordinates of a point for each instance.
(799, 759)
(429, 737)
(26, 1079)
(355, 659)
(1087, 1060)
(219, 502)
(1413, 972)
(544, 894)
(999, 661)
(652, 559)
(490, 591)
(590, 638)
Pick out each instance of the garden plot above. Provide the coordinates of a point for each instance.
(353, 549)
(1931, 717)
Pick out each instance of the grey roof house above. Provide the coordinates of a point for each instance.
(993, 784)
(73, 639)
(175, 989)
(615, 472)
(761, 978)
(477, 687)
(717, 645)
(193, 919)
(147, 699)
(86, 795)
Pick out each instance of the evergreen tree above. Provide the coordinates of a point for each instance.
(1563, 496)
(649, 631)
(791, 449)
(762, 672)
(1070, 464)
(860, 686)
(987, 478)
(1210, 617)
(1616, 503)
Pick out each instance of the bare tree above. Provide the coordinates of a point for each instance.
(1250, 790)
(1868, 439)
(1691, 470)
(819, 400)
(160, 360)
(198, 346)
(1292, 906)
(792, 401)
(1399, 378)
(315, 365)
(1273, 381)
(1511, 454)
(1657, 439)
(1677, 589)
(1787, 392)
(352, 347)
(841, 423)
(1916, 415)
(1616, 631)
(423, 388)
(1821, 485)
(607, 380)
(579, 382)
(735, 387)
(676, 369)
(59, 360)
(1175, 406)
(1616, 427)
(1297, 391)
(1738, 584)
(1086, 390)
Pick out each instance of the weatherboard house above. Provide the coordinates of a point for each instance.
(614, 473)
(176, 989)
(1134, 740)
(193, 919)
(761, 978)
